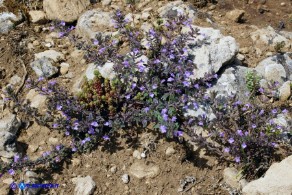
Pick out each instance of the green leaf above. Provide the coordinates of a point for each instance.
(165, 96)
(156, 126)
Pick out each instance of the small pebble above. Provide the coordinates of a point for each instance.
(170, 151)
(137, 154)
(113, 169)
(125, 178)
(143, 155)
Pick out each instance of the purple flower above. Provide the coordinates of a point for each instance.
(101, 50)
(271, 121)
(61, 34)
(154, 86)
(262, 134)
(40, 79)
(253, 126)
(246, 133)
(261, 90)
(46, 153)
(239, 132)
(151, 95)
(71, 28)
(197, 86)
(67, 133)
(201, 123)
(170, 79)
(106, 137)
(74, 149)
(156, 61)
(58, 147)
(187, 74)
(128, 96)
(142, 88)
(59, 107)
(226, 150)
(274, 144)
(178, 133)
(95, 42)
(57, 159)
(94, 123)
(16, 158)
(285, 111)
(62, 23)
(135, 51)
(164, 111)
(274, 111)
(52, 82)
(106, 124)
(76, 126)
(55, 125)
(237, 159)
(91, 130)
(141, 67)
(215, 76)
(196, 106)
(152, 32)
(126, 64)
(173, 119)
(146, 110)
(221, 134)
(162, 129)
(165, 117)
(231, 140)
(237, 103)
(206, 97)
(171, 56)
(186, 83)
(243, 145)
(134, 85)
(11, 171)
(261, 112)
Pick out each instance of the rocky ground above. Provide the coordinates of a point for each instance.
(243, 35)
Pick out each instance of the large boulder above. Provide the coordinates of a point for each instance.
(7, 144)
(44, 67)
(10, 123)
(176, 8)
(93, 22)
(232, 81)
(268, 37)
(277, 180)
(84, 185)
(65, 10)
(9, 126)
(50, 54)
(7, 21)
(214, 51)
(276, 68)
(141, 170)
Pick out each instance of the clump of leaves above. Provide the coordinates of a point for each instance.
(252, 82)
(279, 46)
(100, 93)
